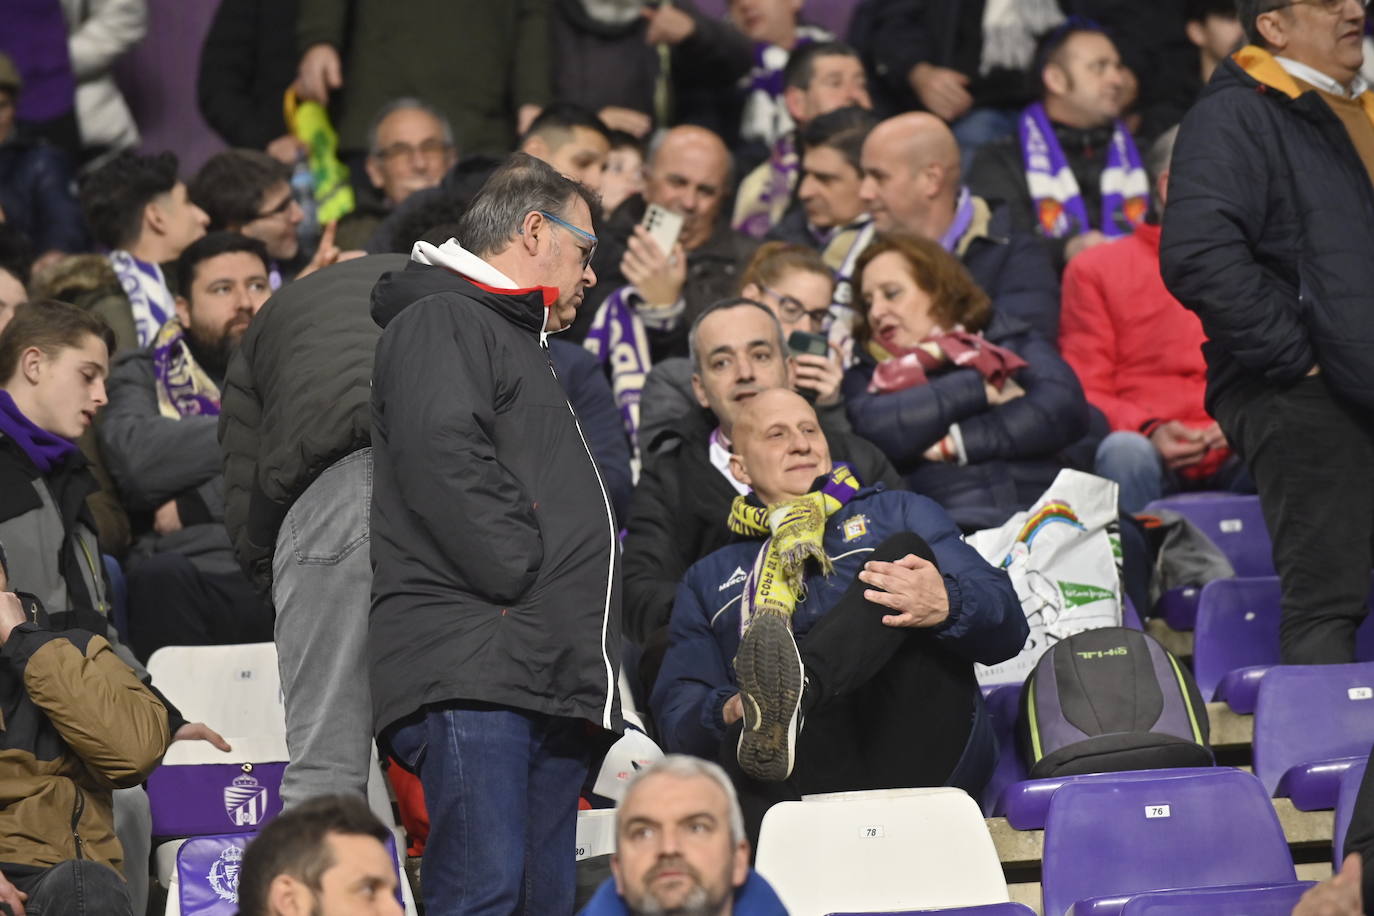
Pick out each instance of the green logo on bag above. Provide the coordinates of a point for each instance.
(1076, 594)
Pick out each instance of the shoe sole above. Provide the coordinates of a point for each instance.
(769, 671)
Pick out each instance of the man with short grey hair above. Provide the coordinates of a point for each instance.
(1268, 236)
(680, 848)
(495, 627)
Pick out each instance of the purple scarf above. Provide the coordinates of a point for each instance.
(617, 337)
(44, 449)
(759, 215)
(1059, 207)
(963, 218)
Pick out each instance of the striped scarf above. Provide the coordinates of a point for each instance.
(183, 388)
(796, 532)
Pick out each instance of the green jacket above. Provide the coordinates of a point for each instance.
(476, 61)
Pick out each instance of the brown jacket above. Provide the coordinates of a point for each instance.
(76, 724)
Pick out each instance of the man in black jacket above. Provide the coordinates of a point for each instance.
(495, 625)
(1267, 237)
(679, 511)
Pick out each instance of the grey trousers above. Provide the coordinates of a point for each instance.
(322, 590)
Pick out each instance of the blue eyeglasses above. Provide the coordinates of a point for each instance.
(580, 233)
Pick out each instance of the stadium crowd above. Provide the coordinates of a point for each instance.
(532, 370)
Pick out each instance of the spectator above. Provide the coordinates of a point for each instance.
(1213, 32)
(364, 52)
(1138, 354)
(246, 66)
(624, 175)
(409, 148)
(680, 846)
(570, 139)
(819, 78)
(138, 208)
(248, 192)
(794, 283)
(689, 173)
(1269, 204)
(487, 505)
(774, 29)
(78, 724)
(35, 182)
(832, 217)
(897, 607)
(12, 295)
(679, 511)
(968, 402)
(89, 282)
(101, 32)
(1073, 174)
(295, 428)
(35, 39)
(327, 857)
(964, 62)
(912, 185)
(158, 436)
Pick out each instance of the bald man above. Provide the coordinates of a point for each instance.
(913, 184)
(887, 639)
(690, 172)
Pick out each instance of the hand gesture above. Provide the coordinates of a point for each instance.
(167, 519)
(659, 277)
(821, 374)
(199, 731)
(1010, 391)
(319, 73)
(328, 253)
(1336, 896)
(667, 25)
(944, 92)
(12, 896)
(912, 587)
(1178, 445)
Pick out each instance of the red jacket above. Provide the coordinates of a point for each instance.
(1136, 349)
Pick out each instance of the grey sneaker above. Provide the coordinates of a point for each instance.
(769, 671)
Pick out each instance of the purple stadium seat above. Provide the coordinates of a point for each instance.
(1025, 804)
(1106, 841)
(1004, 705)
(989, 909)
(1237, 639)
(1307, 715)
(1267, 900)
(1345, 807)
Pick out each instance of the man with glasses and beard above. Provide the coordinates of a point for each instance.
(159, 439)
(680, 848)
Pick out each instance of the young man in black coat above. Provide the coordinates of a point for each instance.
(1267, 237)
(495, 627)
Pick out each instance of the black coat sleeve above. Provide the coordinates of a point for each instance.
(592, 401)
(653, 562)
(224, 86)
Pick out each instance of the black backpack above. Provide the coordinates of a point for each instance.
(1108, 700)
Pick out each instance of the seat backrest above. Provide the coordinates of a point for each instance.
(1194, 830)
(1345, 809)
(1234, 523)
(921, 848)
(1237, 626)
(208, 874)
(236, 690)
(1307, 713)
(1272, 900)
(595, 833)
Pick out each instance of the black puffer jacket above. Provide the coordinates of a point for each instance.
(1012, 448)
(296, 398)
(494, 553)
(1269, 234)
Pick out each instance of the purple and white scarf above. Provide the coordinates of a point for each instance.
(149, 298)
(765, 116)
(1059, 207)
(963, 218)
(183, 388)
(754, 217)
(617, 337)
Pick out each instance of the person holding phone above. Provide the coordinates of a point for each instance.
(971, 405)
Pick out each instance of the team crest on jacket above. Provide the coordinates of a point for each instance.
(855, 527)
(224, 874)
(245, 801)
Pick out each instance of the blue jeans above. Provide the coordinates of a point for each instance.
(78, 887)
(501, 787)
(1138, 469)
(980, 127)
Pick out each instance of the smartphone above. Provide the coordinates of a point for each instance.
(803, 343)
(664, 225)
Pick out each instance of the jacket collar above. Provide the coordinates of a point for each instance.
(1266, 69)
(458, 260)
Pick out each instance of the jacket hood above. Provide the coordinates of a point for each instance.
(451, 268)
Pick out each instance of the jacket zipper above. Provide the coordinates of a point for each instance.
(96, 579)
(610, 523)
(78, 809)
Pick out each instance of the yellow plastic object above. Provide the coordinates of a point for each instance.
(309, 123)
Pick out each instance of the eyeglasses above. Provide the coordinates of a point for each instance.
(1333, 7)
(429, 149)
(580, 233)
(793, 310)
(279, 210)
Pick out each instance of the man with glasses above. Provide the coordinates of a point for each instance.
(494, 641)
(1268, 237)
(410, 147)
